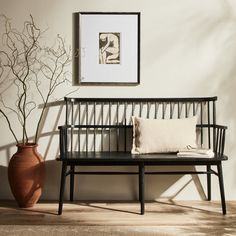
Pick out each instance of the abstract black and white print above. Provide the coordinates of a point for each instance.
(109, 48)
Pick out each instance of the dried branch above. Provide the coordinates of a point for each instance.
(30, 66)
(12, 110)
(56, 78)
(9, 125)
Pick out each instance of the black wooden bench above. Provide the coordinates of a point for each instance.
(98, 132)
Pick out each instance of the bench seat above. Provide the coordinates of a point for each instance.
(126, 158)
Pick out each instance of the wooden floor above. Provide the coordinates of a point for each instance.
(122, 219)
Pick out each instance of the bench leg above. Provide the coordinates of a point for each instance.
(72, 180)
(221, 183)
(208, 183)
(62, 188)
(141, 187)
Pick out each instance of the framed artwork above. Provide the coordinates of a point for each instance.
(106, 48)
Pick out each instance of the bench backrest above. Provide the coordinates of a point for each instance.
(104, 124)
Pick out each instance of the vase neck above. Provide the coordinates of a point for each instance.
(26, 147)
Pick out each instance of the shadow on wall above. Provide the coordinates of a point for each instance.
(220, 78)
(97, 187)
(214, 37)
(54, 130)
(5, 192)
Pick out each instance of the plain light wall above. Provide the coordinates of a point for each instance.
(188, 48)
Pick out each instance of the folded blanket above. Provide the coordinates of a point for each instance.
(196, 152)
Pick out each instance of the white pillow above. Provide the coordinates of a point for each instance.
(163, 135)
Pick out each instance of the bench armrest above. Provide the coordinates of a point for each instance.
(219, 139)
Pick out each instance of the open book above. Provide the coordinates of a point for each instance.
(196, 152)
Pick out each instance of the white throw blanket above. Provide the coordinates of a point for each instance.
(196, 152)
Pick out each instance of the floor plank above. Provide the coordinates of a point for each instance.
(112, 218)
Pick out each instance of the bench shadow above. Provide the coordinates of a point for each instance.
(86, 187)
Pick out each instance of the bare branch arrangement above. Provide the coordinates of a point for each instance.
(30, 69)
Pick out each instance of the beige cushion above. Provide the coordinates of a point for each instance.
(165, 135)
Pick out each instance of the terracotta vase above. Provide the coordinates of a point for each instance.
(26, 174)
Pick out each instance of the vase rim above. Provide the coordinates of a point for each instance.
(27, 145)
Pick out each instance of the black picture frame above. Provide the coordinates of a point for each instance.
(106, 48)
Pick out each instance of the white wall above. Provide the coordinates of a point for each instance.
(188, 48)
